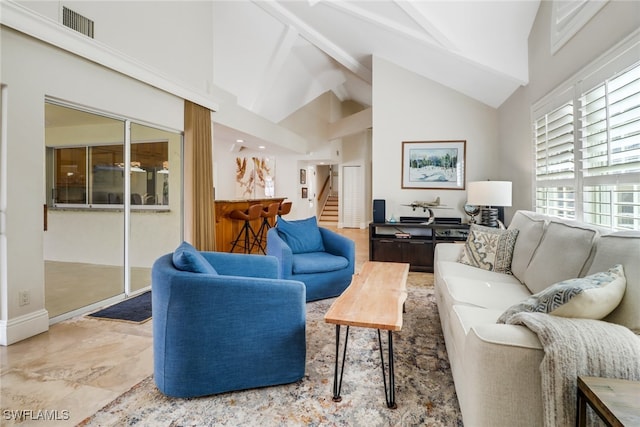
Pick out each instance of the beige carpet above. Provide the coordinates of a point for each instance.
(424, 388)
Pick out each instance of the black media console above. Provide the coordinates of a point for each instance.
(413, 240)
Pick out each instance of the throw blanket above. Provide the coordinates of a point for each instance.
(576, 347)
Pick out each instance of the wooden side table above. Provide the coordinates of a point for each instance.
(617, 402)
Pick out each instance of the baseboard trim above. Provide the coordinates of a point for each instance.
(22, 327)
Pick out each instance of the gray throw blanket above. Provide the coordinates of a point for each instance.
(576, 347)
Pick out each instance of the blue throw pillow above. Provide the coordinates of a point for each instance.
(188, 258)
(302, 235)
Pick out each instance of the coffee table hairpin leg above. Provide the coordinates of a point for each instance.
(390, 393)
(337, 385)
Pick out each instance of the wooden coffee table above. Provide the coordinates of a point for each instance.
(615, 401)
(374, 299)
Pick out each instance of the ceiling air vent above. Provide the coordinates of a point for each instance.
(77, 22)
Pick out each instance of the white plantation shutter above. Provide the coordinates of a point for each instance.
(554, 144)
(555, 162)
(610, 144)
(586, 137)
(610, 126)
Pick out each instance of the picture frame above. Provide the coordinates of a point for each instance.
(434, 164)
(303, 176)
(305, 193)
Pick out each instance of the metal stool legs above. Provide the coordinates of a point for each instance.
(267, 213)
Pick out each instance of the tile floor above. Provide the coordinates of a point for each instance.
(81, 364)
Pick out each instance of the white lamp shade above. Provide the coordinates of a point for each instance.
(489, 193)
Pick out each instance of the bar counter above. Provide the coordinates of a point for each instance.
(227, 229)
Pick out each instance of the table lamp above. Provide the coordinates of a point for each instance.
(489, 195)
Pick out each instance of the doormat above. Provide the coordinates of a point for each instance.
(136, 310)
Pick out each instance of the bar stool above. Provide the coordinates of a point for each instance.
(267, 213)
(284, 208)
(247, 234)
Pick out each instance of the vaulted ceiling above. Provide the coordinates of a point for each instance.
(277, 56)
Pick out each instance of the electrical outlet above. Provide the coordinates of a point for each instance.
(24, 298)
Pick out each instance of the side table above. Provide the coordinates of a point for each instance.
(615, 401)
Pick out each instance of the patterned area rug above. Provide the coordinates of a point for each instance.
(425, 393)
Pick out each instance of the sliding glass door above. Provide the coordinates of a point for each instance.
(112, 206)
(155, 221)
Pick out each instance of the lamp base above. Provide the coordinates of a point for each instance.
(489, 217)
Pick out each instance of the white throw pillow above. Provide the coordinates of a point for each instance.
(489, 248)
(590, 297)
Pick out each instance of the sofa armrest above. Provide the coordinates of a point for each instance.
(447, 252)
(337, 244)
(496, 367)
(277, 247)
(248, 265)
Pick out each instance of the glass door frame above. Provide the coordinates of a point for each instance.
(127, 122)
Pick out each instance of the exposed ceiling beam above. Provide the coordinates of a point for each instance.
(419, 18)
(275, 66)
(432, 37)
(314, 37)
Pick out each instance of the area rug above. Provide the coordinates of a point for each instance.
(425, 393)
(136, 310)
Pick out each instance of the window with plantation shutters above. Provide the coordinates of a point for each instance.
(610, 126)
(610, 144)
(554, 144)
(555, 165)
(586, 136)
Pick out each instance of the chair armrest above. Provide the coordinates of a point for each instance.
(247, 265)
(277, 247)
(337, 244)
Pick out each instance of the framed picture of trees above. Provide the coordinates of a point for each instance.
(433, 164)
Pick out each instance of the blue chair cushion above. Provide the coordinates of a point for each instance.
(188, 258)
(301, 235)
(317, 262)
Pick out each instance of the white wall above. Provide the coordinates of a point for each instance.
(611, 24)
(408, 107)
(177, 40)
(32, 70)
(287, 174)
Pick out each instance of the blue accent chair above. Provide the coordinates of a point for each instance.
(223, 322)
(320, 258)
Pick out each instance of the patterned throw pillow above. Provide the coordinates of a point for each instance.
(489, 248)
(590, 297)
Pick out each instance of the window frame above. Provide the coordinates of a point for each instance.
(88, 186)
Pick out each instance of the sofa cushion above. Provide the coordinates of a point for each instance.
(530, 228)
(622, 247)
(188, 258)
(301, 235)
(489, 248)
(563, 252)
(317, 262)
(591, 297)
(490, 294)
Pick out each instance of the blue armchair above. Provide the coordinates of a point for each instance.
(227, 323)
(320, 258)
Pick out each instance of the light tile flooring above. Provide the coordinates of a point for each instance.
(81, 364)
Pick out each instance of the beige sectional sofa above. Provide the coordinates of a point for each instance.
(496, 367)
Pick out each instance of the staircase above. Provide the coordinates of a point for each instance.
(330, 211)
